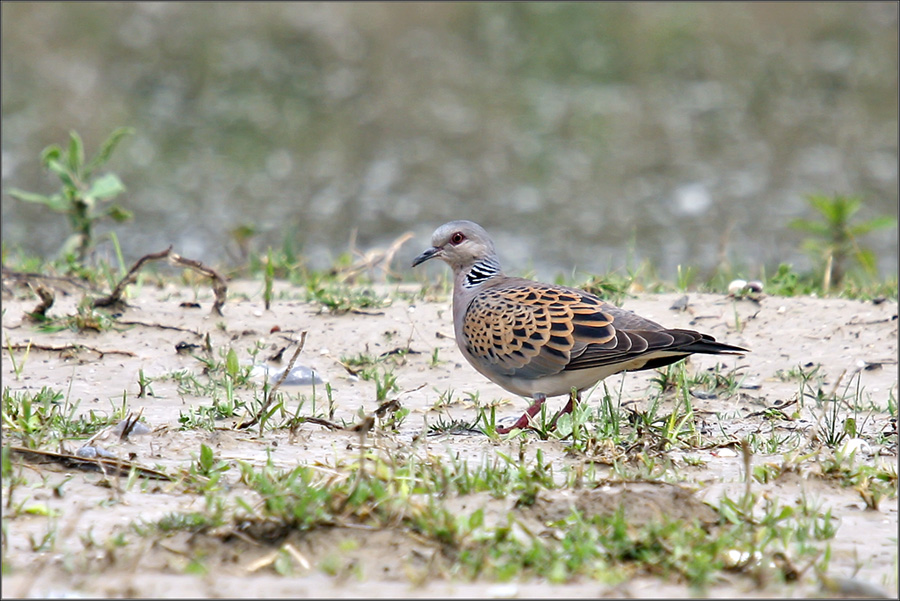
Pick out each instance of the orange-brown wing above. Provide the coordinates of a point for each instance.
(530, 330)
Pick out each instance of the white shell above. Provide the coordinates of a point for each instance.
(737, 286)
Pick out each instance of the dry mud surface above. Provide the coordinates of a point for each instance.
(847, 338)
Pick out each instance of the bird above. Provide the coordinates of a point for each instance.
(540, 340)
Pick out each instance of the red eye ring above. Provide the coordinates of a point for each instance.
(457, 238)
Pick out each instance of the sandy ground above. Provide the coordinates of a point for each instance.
(848, 338)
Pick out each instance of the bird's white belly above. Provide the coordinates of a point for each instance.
(555, 385)
(563, 382)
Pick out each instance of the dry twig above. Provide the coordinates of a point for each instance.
(219, 286)
(39, 313)
(103, 464)
(67, 348)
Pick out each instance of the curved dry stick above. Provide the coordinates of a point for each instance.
(39, 313)
(116, 295)
(160, 326)
(68, 460)
(220, 288)
(67, 347)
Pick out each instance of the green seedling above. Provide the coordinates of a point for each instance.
(83, 195)
(834, 241)
(18, 365)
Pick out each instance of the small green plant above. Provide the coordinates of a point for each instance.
(85, 319)
(774, 443)
(385, 383)
(269, 279)
(435, 360)
(834, 241)
(394, 417)
(445, 399)
(685, 277)
(223, 382)
(18, 366)
(339, 298)
(872, 482)
(787, 282)
(206, 471)
(715, 381)
(205, 417)
(82, 193)
(46, 417)
(144, 388)
(834, 425)
(356, 364)
(801, 373)
(196, 521)
(577, 426)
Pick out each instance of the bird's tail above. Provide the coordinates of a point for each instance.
(710, 346)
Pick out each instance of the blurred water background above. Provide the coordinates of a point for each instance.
(584, 136)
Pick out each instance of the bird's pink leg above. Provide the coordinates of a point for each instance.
(525, 420)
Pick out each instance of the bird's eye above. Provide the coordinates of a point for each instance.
(457, 238)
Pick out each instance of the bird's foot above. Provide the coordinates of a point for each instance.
(574, 399)
(524, 421)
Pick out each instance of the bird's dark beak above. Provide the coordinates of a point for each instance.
(428, 254)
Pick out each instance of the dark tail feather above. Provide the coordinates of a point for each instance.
(708, 345)
(705, 345)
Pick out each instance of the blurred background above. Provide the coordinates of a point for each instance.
(585, 137)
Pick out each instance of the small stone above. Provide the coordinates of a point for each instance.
(737, 286)
(90, 452)
(138, 429)
(755, 286)
(300, 375)
(857, 446)
(503, 591)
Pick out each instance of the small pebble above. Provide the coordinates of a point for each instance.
(139, 428)
(737, 286)
(89, 452)
(853, 588)
(743, 288)
(858, 446)
(680, 305)
(301, 375)
(735, 558)
(503, 591)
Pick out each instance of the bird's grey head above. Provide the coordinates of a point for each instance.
(460, 244)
